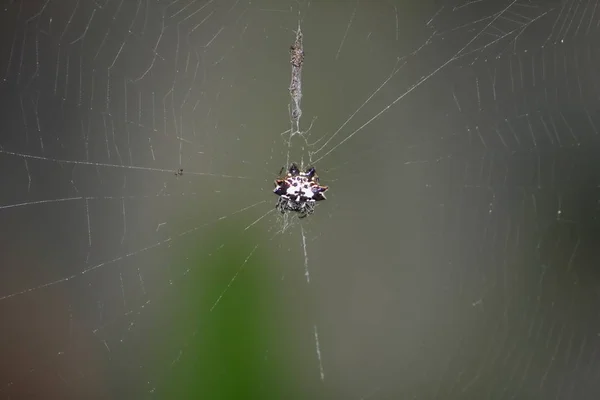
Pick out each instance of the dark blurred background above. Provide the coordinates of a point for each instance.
(455, 258)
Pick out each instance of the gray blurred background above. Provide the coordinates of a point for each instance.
(455, 257)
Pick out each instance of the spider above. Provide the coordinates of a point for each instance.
(299, 191)
(179, 172)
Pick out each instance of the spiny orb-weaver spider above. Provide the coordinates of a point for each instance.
(298, 191)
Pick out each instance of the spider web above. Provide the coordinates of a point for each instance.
(453, 258)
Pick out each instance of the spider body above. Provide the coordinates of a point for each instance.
(299, 191)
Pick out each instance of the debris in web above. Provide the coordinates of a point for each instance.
(296, 59)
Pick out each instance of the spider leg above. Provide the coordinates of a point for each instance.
(293, 170)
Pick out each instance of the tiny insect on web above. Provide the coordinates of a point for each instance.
(299, 191)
